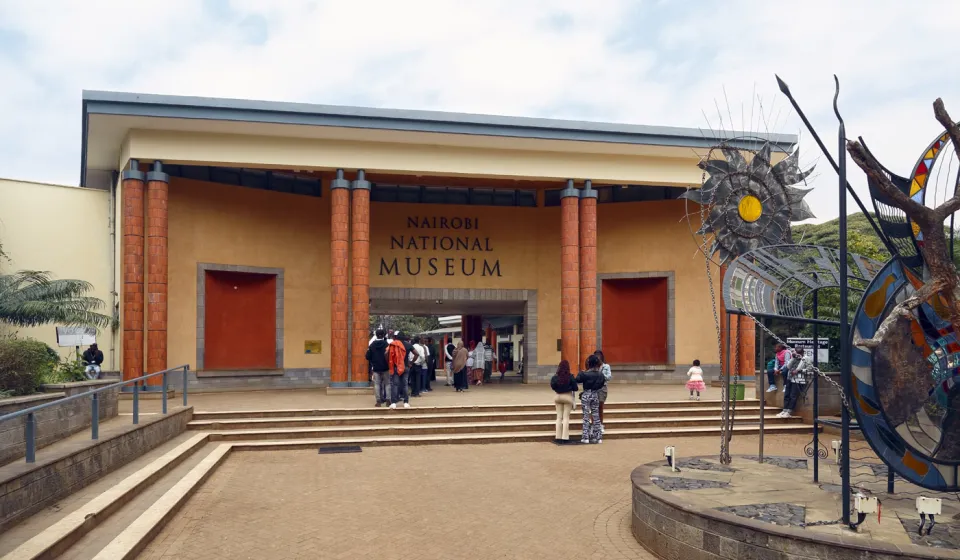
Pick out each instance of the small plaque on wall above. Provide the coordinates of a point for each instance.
(311, 347)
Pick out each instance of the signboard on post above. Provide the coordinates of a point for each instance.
(76, 336)
(806, 344)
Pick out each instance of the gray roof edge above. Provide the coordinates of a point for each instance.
(174, 106)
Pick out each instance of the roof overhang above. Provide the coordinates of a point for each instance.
(108, 117)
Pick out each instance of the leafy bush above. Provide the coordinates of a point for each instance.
(62, 372)
(22, 361)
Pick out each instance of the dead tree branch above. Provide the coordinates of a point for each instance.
(953, 130)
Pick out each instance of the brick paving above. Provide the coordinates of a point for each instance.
(525, 500)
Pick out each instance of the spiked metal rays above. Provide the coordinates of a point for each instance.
(749, 205)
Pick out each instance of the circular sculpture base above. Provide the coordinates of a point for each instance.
(774, 510)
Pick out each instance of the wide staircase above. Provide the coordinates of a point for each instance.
(117, 516)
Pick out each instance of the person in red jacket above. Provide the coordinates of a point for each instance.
(396, 361)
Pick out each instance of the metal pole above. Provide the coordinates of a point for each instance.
(95, 416)
(843, 181)
(31, 438)
(761, 385)
(844, 327)
(816, 389)
(889, 480)
(951, 238)
(185, 370)
(163, 387)
(726, 381)
(136, 403)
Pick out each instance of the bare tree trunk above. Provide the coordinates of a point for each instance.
(942, 281)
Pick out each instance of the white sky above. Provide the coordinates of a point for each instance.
(663, 62)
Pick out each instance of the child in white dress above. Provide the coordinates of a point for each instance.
(696, 380)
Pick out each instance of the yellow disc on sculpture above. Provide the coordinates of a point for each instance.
(750, 208)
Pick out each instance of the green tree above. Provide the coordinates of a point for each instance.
(409, 324)
(29, 298)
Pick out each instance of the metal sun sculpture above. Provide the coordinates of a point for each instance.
(906, 391)
(745, 206)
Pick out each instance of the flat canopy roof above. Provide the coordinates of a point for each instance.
(107, 116)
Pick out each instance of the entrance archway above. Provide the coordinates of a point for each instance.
(464, 301)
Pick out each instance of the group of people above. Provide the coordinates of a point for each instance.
(402, 367)
(471, 365)
(794, 368)
(593, 381)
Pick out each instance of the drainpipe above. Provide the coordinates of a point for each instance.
(112, 226)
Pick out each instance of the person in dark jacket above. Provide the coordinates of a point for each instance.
(565, 387)
(92, 359)
(592, 381)
(377, 357)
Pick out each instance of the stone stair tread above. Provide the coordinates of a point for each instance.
(477, 408)
(415, 427)
(503, 435)
(392, 414)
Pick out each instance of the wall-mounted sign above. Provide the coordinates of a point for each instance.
(443, 235)
(76, 336)
(311, 347)
(806, 344)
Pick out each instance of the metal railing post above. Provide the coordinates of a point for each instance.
(163, 387)
(95, 416)
(136, 403)
(31, 438)
(186, 370)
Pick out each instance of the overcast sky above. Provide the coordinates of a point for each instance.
(661, 62)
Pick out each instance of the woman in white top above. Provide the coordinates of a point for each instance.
(470, 355)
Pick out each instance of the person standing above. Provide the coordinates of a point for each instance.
(470, 355)
(427, 372)
(478, 363)
(417, 360)
(797, 376)
(565, 387)
(377, 358)
(607, 376)
(448, 353)
(396, 364)
(696, 380)
(458, 365)
(487, 361)
(592, 381)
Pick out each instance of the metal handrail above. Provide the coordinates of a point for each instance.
(30, 413)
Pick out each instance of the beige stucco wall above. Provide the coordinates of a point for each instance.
(63, 230)
(234, 150)
(211, 223)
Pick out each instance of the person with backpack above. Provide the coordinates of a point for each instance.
(397, 366)
(377, 358)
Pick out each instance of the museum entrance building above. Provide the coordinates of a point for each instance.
(252, 240)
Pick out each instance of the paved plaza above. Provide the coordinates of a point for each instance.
(452, 502)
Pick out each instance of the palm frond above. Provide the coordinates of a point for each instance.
(29, 298)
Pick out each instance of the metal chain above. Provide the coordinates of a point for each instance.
(843, 395)
(724, 408)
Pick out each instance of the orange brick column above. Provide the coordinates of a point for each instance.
(748, 346)
(360, 261)
(588, 270)
(157, 190)
(132, 252)
(339, 261)
(570, 276)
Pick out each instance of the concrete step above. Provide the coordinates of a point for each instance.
(505, 437)
(457, 409)
(67, 534)
(390, 417)
(664, 426)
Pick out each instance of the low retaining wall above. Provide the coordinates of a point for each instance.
(33, 487)
(56, 422)
(830, 402)
(633, 374)
(669, 529)
(213, 381)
